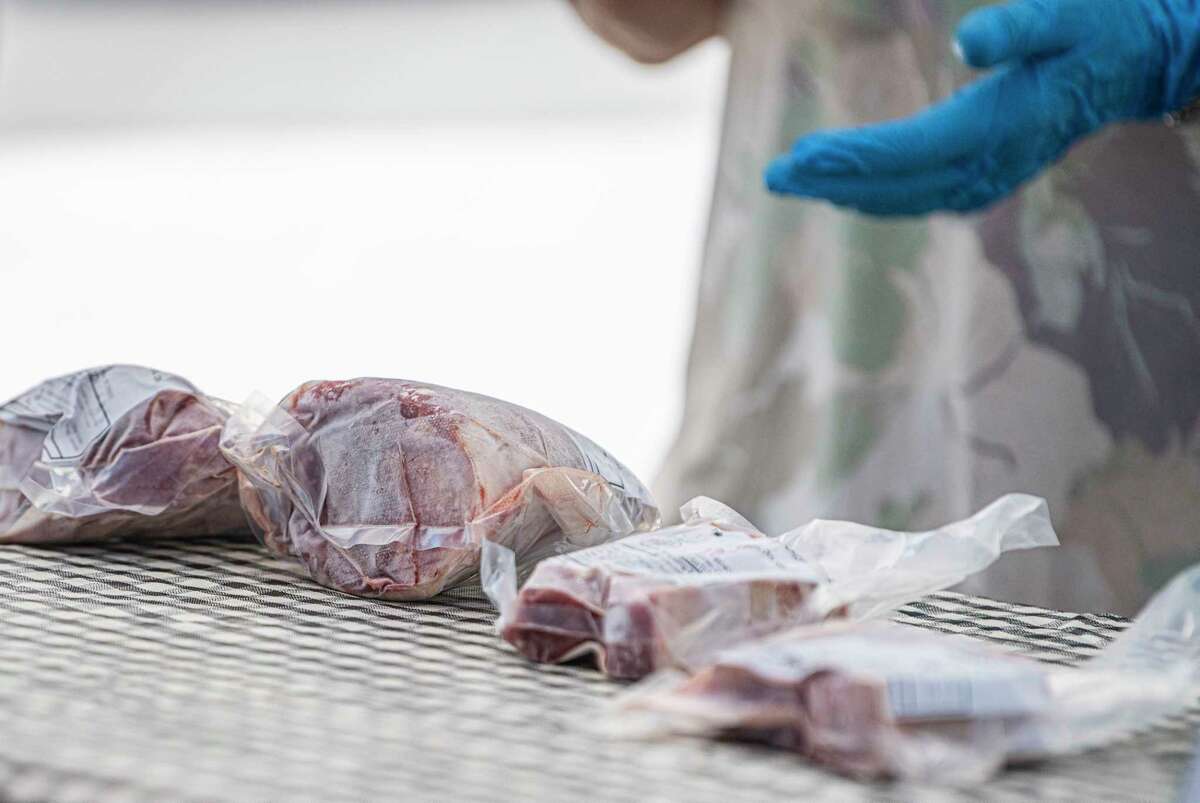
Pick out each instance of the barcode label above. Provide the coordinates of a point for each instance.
(1009, 694)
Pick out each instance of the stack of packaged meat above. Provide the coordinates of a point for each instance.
(114, 451)
(881, 699)
(388, 488)
(677, 595)
(398, 489)
(379, 487)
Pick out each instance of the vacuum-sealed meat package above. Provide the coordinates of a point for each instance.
(387, 488)
(881, 699)
(637, 603)
(866, 698)
(677, 595)
(115, 451)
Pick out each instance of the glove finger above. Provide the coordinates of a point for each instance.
(957, 126)
(1014, 31)
(910, 194)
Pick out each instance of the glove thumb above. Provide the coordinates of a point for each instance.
(1013, 31)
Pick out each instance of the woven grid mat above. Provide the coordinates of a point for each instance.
(206, 670)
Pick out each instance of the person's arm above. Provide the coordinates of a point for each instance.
(651, 31)
(1061, 70)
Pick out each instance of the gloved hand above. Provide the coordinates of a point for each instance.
(1065, 69)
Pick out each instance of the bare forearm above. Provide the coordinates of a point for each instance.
(651, 31)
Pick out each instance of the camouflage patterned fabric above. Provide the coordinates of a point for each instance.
(907, 373)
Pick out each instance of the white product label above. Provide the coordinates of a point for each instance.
(77, 410)
(698, 549)
(977, 695)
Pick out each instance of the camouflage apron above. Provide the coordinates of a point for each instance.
(907, 373)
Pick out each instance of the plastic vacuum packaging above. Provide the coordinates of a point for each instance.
(881, 699)
(387, 487)
(115, 451)
(676, 596)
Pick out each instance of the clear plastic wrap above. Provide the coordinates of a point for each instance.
(674, 597)
(883, 699)
(115, 451)
(388, 488)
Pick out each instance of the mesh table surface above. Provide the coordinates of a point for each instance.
(206, 670)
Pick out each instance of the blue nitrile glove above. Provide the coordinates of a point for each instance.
(1065, 69)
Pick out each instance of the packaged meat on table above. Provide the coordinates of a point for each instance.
(881, 699)
(115, 451)
(677, 595)
(387, 487)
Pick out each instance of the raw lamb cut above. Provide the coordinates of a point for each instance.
(869, 699)
(883, 699)
(678, 595)
(114, 451)
(638, 603)
(387, 488)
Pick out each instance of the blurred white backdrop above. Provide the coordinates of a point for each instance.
(476, 194)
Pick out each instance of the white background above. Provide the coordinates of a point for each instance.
(251, 195)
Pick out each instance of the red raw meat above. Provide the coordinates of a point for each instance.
(868, 700)
(679, 595)
(880, 698)
(147, 460)
(660, 598)
(386, 488)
